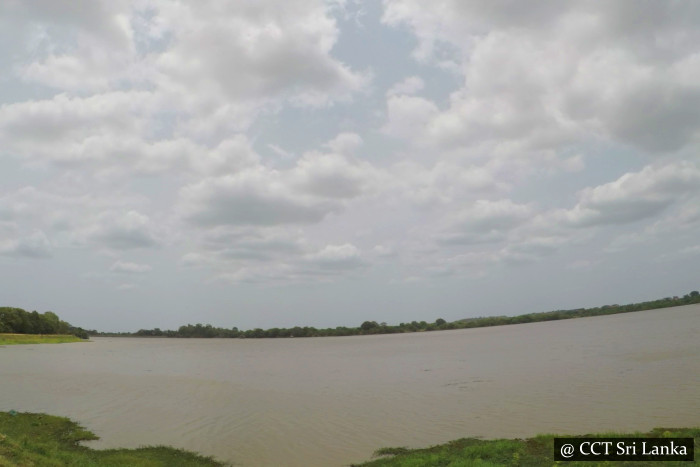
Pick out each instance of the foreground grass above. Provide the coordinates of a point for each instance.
(535, 452)
(28, 439)
(13, 339)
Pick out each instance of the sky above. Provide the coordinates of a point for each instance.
(277, 163)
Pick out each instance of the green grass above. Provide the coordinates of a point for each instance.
(29, 439)
(534, 452)
(14, 339)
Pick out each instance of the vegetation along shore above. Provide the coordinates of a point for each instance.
(372, 327)
(18, 321)
(14, 339)
(535, 452)
(15, 321)
(30, 439)
(44, 440)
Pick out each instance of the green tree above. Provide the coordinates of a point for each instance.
(369, 325)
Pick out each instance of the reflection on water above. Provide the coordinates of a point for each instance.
(333, 401)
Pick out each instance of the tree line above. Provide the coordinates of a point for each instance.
(19, 321)
(372, 327)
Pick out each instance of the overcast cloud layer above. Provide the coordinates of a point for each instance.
(299, 162)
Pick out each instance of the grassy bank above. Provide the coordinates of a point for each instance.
(28, 439)
(535, 452)
(13, 339)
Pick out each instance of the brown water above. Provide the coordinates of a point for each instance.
(333, 401)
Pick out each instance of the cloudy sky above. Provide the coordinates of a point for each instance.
(299, 162)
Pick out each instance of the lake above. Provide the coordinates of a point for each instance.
(333, 401)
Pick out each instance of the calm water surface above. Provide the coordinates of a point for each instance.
(333, 401)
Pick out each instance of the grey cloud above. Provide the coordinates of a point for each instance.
(654, 108)
(549, 74)
(123, 239)
(441, 184)
(275, 273)
(262, 53)
(112, 131)
(635, 196)
(650, 28)
(644, 25)
(93, 132)
(337, 258)
(66, 45)
(95, 16)
(531, 249)
(35, 245)
(409, 116)
(408, 86)
(259, 196)
(255, 51)
(620, 211)
(125, 267)
(71, 216)
(252, 247)
(485, 221)
(332, 175)
(272, 258)
(250, 198)
(345, 143)
(123, 231)
(659, 119)
(64, 115)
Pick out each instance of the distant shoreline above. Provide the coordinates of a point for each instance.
(372, 327)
